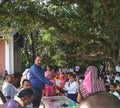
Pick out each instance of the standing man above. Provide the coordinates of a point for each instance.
(38, 80)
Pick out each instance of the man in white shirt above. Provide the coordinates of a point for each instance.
(8, 88)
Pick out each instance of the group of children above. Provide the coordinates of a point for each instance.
(112, 83)
(69, 84)
(63, 83)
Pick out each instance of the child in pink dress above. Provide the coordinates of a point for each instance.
(49, 89)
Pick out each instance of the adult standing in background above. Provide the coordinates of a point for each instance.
(38, 80)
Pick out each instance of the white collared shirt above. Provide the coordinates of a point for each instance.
(115, 93)
(71, 87)
(9, 90)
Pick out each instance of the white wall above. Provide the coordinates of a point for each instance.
(9, 55)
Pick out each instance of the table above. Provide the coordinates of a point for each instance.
(58, 102)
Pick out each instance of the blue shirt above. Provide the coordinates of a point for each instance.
(37, 77)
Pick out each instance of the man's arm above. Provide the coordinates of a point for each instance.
(38, 72)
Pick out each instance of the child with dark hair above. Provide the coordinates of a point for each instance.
(71, 87)
(113, 91)
(25, 85)
(24, 98)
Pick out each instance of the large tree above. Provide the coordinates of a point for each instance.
(89, 27)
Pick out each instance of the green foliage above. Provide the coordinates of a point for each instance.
(65, 29)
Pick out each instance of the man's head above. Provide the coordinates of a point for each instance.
(38, 60)
(100, 100)
(27, 96)
(8, 78)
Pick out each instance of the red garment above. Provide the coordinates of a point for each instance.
(91, 84)
(50, 89)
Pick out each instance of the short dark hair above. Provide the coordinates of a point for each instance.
(26, 93)
(114, 85)
(7, 75)
(25, 80)
(73, 75)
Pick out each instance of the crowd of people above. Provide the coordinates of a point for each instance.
(36, 83)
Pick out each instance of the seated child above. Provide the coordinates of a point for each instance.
(113, 91)
(25, 85)
(24, 98)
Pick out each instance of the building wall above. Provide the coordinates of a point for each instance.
(10, 55)
(2, 57)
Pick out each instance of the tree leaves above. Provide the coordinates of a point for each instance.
(74, 23)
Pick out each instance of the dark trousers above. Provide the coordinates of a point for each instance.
(72, 97)
(37, 97)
